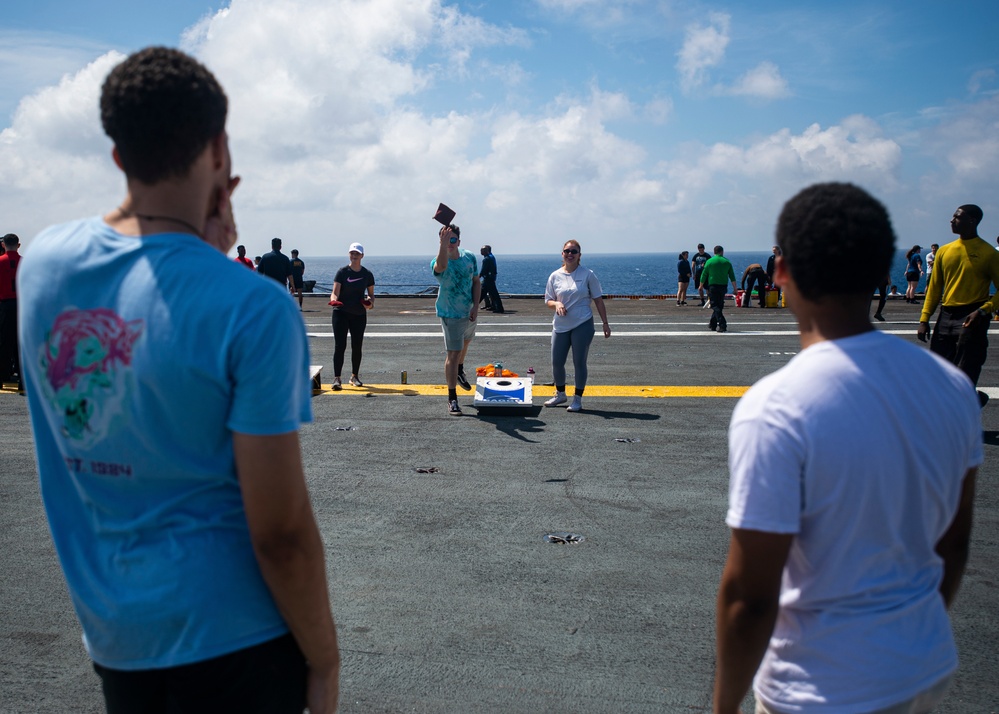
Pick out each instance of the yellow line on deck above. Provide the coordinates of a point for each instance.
(595, 390)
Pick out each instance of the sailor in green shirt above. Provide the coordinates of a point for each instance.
(716, 275)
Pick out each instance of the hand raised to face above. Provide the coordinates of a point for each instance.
(220, 228)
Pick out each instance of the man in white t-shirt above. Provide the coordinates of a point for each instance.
(931, 258)
(850, 503)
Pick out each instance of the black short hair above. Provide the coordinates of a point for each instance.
(161, 108)
(974, 212)
(11, 240)
(275, 243)
(456, 229)
(830, 225)
(719, 250)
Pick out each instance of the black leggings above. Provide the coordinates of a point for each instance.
(355, 324)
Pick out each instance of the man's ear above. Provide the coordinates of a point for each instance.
(782, 276)
(117, 158)
(218, 145)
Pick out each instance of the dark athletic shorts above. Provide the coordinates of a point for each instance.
(266, 678)
(299, 282)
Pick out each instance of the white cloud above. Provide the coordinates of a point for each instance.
(56, 159)
(32, 60)
(564, 167)
(348, 120)
(968, 142)
(571, 5)
(981, 79)
(764, 81)
(739, 189)
(703, 48)
(596, 13)
(659, 110)
(318, 111)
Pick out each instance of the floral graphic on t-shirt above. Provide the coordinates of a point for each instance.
(86, 360)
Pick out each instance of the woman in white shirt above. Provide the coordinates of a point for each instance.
(569, 292)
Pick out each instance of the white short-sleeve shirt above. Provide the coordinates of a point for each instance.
(574, 290)
(839, 450)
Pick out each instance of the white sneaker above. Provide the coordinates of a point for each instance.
(559, 398)
(576, 406)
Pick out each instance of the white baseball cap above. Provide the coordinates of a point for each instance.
(356, 246)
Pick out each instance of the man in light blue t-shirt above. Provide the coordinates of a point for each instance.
(166, 385)
(457, 307)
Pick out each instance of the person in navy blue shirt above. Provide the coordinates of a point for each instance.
(487, 275)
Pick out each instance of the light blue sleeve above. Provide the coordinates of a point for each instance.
(269, 367)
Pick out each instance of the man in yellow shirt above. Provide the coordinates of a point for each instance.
(962, 274)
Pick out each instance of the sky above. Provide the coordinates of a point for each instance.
(631, 126)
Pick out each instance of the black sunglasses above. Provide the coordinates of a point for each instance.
(571, 251)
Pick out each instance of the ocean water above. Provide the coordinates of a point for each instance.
(619, 274)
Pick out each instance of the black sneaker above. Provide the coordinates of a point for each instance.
(453, 409)
(879, 317)
(463, 382)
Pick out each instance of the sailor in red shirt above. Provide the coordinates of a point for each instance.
(9, 363)
(241, 257)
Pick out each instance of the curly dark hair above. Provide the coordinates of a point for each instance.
(830, 225)
(161, 108)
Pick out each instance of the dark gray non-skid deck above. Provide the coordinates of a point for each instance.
(446, 594)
